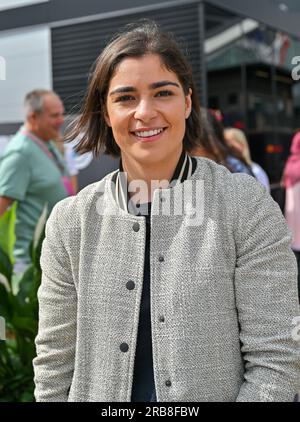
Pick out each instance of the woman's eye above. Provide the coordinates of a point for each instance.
(124, 98)
(164, 93)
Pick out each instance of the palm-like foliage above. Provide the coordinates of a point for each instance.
(19, 307)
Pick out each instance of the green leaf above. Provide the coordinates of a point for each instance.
(6, 366)
(4, 281)
(26, 285)
(39, 235)
(5, 265)
(24, 325)
(7, 231)
(19, 306)
(26, 348)
(27, 396)
(6, 310)
(26, 310)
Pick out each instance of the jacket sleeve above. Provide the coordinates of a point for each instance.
(266, 297)
(56, 339)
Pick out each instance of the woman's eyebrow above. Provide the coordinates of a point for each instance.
(163, 83)
(155, 85)
(123, 89)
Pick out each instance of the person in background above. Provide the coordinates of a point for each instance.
(237, 140)
(212, 144)
(32, 171)
(3, 142)
(291, 182)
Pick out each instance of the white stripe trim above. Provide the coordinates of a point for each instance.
(190, 167)
(121, 197)
(181, 171)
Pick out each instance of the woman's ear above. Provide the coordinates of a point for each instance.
(188, 104)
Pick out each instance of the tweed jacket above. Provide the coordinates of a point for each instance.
(224, 283)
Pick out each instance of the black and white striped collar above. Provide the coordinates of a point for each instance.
(185, 168)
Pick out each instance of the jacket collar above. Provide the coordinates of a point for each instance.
(183, 171)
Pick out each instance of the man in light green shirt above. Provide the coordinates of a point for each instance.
(32, 169)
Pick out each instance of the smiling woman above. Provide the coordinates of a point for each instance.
(135, 44)
(186, 292)
(146, 109)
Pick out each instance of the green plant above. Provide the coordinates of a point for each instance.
(19, 307)
(7, 231)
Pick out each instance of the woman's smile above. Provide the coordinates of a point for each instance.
(148, 134)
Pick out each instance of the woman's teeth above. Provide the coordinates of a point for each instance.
(148, 133)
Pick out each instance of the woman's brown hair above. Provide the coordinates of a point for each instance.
(137, 40)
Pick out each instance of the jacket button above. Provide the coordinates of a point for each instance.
(130, 285)
(124, 347)
(168, 383)
(161, 258)
(136, 227)
(161, 319)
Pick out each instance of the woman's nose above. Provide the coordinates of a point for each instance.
(145, 110)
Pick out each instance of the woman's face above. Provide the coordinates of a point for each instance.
(146, 109)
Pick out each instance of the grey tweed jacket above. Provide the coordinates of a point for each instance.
(225, 283)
